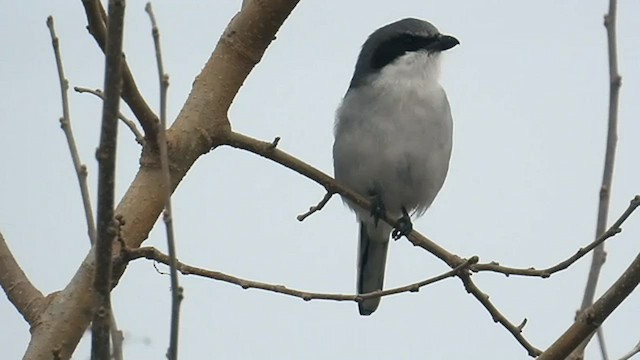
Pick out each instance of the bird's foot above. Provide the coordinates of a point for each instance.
(378, 209)
(403, 227)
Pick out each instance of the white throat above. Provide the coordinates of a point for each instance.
(417, 69)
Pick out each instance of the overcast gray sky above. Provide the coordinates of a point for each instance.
(528, 88)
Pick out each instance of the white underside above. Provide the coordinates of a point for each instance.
(394, 135)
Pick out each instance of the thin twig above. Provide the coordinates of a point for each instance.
(615, 228)
(27, 299)
(154, 254)
(515, 330)
(615, 81)
(80, 170)
(591, 318)
(632, 352)
(106, 156)
(65, 124)
(117, 340)
(316, 208)
(177, 293)
(603, 344)
(130, 94)
(129, 123)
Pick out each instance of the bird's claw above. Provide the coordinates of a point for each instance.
(404, 226)
(378, 209)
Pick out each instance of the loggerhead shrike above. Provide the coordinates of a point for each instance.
(393, 138)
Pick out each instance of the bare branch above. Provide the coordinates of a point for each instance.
(117, 339)
(130, 124)
(632, 353)
(153, 254)
(106, 156)
(616, 228)
(130, 94)
(603, 344)
(268, 151)
(81, 169)
(265, 149)
(65, 124)
(177, 293)
(497, 316)
(615, 81)
(28, 300)
(316, 208)
(592, 317)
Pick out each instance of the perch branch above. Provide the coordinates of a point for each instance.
(271, 152)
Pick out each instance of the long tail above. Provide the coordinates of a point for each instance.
(372, 258)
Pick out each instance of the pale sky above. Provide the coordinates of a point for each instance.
(528, 88)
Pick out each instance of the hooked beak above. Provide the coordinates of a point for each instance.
(444, 42)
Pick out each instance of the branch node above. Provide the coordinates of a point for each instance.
(522, 324)
(616, 81)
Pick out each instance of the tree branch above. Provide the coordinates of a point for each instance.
(81, 169)
(592, 317)
(635, 350)
(270, 151)
(28, 300)
(153, 254)
(315, 208)
(130, 124)
(615, 81)
(497, 316)
(177, 292)
(65, 124)
(106, 156)
(97, 27)
(201, 125)
(615, 229)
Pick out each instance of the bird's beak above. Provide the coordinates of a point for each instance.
(445, 42)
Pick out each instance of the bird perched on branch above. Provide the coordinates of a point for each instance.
(393, 138)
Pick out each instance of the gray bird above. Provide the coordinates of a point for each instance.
(393, 138)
